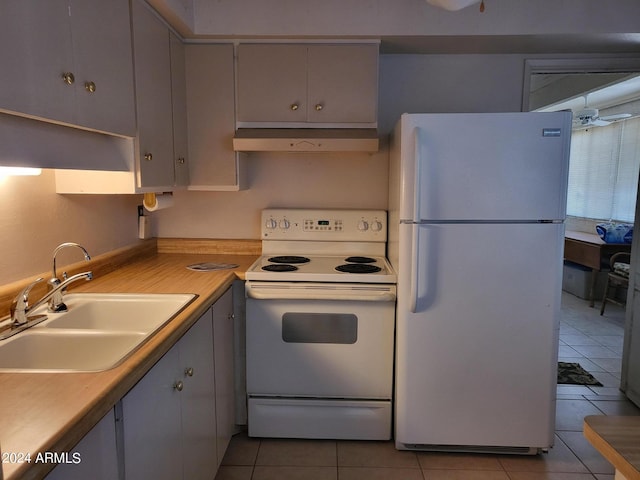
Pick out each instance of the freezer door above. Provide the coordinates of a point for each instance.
(477, 334)
(503, 166)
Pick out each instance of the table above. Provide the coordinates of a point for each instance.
(591, 251)
(617, 438)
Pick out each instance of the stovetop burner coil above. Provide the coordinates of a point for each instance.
(290, 259)
(280, 267)
(360, 260)
(358, 268)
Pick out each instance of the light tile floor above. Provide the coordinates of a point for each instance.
(585, 337)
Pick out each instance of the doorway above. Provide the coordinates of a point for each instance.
(595, 89)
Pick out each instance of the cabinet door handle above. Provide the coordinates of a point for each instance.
(319, 107)
(90, 87)
(181, 160)
(188, 372)
(178, 386)
(68, 78)
(231, 316)
(148, 157)
(294, 107)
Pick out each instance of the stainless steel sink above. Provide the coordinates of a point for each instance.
(97, 333)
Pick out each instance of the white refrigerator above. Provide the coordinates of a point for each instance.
(476, 234)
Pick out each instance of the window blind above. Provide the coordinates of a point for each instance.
(603, 171)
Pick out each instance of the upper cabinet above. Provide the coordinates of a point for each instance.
(158, 158)
(152, 58)
(179, 107)
(308, 84)
(213, 165)
(68, 62)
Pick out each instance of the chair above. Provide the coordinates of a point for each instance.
(618, 277)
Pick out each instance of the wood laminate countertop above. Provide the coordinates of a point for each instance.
(51, 412)
(617, 438)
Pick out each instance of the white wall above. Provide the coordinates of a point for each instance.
(448, 83)
(354, 180)
(34, 220)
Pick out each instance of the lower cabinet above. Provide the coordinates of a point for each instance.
(223, 349)
(173, 427)
(177, 421)
(95, 456)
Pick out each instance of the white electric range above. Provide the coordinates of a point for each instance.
(320, 326)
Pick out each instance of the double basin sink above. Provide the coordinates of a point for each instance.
(97, 333)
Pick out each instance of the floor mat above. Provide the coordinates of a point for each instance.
(574, 374)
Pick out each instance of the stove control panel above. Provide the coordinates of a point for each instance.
(324, 225)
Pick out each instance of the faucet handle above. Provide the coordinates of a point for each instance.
(20, 304)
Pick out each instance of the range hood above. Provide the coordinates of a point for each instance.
(306, 140)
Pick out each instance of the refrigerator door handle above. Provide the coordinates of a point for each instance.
(415, 268)
(418, 137)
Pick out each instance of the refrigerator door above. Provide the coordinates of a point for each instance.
(477, 335)
(502, 166)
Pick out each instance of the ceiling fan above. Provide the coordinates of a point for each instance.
(453, 5)
(590, 117)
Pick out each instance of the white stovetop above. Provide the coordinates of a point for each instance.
(322, 268)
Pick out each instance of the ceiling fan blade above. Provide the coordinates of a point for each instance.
(617, 116)
(452, 5)
(599, 122)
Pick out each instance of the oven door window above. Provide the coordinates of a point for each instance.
(302, 327)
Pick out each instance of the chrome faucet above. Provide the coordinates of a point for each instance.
(56, 302)
(20, 308)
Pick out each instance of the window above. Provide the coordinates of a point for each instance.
(603, 171)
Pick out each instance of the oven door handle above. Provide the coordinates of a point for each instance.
(314, 292)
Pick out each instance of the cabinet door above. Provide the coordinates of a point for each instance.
(103, 63)
(95, 455)
(88, 41)
(223, 327)
(153, 99)
(36, 51)
(198, 405)
(179, 107)
(272, 83)
(152, 425)
(343, 83)
(213, 165)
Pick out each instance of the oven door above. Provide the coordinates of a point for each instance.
(326, 340)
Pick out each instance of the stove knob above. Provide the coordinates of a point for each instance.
(376, 226)
(271, 224)
(284, 223)
(363, 226)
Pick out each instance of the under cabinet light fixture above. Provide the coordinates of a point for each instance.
(19, 171)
